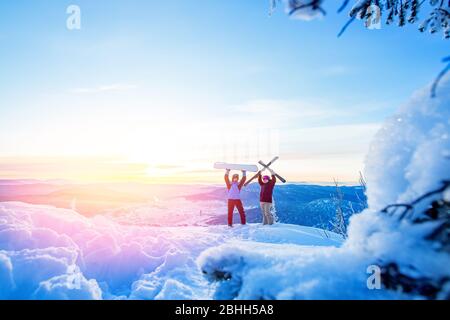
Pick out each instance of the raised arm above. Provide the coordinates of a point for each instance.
(260, 179)
(227, 178)
(274, 178)
(244, 178)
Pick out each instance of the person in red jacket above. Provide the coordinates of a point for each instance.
(267, 185)
(234, 196)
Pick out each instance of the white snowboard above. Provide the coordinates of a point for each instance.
(234, 166)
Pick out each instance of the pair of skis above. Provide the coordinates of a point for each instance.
(249, 168)
(266, 166)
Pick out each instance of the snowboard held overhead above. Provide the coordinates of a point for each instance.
(233, 166)
(249, 168)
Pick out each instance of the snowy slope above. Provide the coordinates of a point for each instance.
(50, 253)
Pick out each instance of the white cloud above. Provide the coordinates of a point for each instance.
(279, 107)
(336, 70)
(104, 88)
(272, 113)
(320, 153)
(335, 139)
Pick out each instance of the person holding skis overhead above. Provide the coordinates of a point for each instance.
(234, 196)
(265, 197)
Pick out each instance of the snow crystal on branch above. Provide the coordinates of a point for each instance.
(301, 9)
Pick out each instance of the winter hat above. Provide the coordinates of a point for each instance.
(235, 176)
(266, 178)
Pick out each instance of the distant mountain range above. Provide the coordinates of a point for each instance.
(308, 205)
(301, 204)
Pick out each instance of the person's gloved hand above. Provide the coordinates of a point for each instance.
(244, 172)
(227, 171)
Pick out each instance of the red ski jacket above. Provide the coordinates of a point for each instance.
(266, 189)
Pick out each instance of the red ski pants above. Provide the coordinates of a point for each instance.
(240, 207)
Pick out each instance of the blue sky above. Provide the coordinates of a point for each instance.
(170, 83)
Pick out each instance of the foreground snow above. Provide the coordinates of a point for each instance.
(410, 155)
(267, 271)
(50, 253)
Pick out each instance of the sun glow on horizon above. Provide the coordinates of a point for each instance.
(184, 152)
